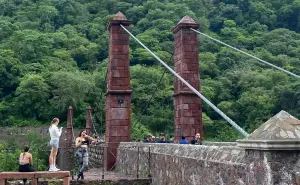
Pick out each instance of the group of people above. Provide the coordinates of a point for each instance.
(195, 141)
(162, 139)
(82, 142)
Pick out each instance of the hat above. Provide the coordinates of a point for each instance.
(148, 135)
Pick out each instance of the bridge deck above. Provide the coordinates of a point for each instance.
(96, 174)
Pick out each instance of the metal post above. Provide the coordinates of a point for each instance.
(6, 154)
(103, 162)
(149, 164)
(138, 161)
(37, 162)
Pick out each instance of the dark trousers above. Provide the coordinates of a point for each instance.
(25, 168)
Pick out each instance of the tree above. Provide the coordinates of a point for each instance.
(68, 89)
(32, 95)
(9, 72)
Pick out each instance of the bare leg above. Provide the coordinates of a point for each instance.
(51, 158)
(54, 157)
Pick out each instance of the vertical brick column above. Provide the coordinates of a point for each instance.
(88, 123)
(69, 126)
(118, 95)
(187, 105)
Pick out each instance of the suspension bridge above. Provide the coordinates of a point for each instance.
(187, 118)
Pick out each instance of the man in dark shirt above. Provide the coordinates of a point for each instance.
(162, 138)
(197, 140)
(148, 139)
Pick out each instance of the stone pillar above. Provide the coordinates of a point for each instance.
(69, 127)
(187, 105)
(118, 95)
(272, 151)
(88, 123)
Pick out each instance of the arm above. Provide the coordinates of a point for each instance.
(30, 159)
(58, 131)
(89, 138)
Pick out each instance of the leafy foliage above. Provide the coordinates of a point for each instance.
(53, 54)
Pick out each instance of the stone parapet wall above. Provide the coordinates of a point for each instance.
(207, 143)
(184, 164)
(175, 164)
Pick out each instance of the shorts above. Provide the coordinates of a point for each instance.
(54, 143)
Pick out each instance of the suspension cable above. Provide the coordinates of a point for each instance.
(92, 119)
(244, 133)
(263, 61)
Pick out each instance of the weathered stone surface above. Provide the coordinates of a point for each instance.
(282, 126)
(281, 132)
(211, 163)
(183, 164)
(88, 123)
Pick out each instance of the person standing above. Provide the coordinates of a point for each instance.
(149, 138)
(82, 142)
(162, 138)
(197, 140)
(55, 133)
(25, 162)
(183, 140)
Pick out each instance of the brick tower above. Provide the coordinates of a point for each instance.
(187, 105)
(118, 95)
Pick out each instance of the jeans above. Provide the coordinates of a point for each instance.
(83, 159)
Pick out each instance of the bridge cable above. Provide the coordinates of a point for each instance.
(153, 93)
(263, 61)
(244, 133)
(93, 117)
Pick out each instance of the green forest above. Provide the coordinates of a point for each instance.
(53, 54)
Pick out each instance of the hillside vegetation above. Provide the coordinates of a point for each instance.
(53, 54)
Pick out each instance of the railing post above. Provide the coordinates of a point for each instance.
(149, 164)
(6, 154)
(37, 160)
(103, 153)
(138, 161)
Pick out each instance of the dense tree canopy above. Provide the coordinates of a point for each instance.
(53, 54)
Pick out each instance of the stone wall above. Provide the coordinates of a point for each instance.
(222, 163)
(96, 156)
(184, 164)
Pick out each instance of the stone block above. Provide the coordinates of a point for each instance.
(119, 131)
(119, 114)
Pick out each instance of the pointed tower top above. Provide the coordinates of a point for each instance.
(282, 126)
(185, 23)
(279, 132)
(119, 16)
(187, 19)
(118, 19)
